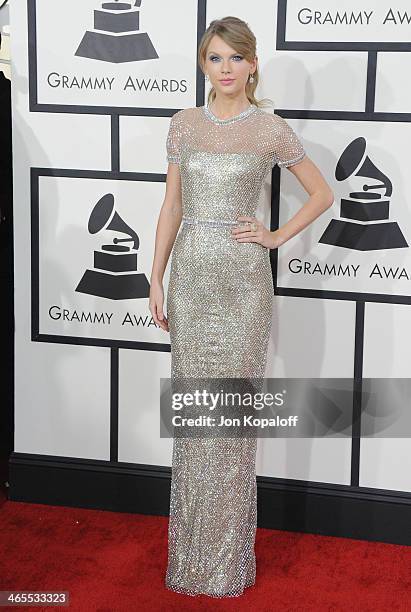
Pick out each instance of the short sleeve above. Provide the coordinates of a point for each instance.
(174, 138)
(288, 149)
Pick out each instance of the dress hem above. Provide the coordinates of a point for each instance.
(185, 591)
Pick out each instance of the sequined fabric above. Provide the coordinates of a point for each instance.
(219, 307)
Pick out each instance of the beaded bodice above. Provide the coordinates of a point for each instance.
(223, 162)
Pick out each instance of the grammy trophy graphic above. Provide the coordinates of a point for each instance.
(116, 36)
(115, 266)
(365, 226)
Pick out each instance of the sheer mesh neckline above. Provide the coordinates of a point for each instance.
(245, 113)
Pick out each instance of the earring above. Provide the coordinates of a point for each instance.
(206, 77)
(251, 79)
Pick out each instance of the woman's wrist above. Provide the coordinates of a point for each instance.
(277, 239)
(156, 281)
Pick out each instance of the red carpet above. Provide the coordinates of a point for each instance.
(116, 562)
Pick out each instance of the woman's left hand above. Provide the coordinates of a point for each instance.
(260, 234)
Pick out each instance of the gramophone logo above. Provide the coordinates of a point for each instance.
(116, 36)
(115, 266)
(365, 226)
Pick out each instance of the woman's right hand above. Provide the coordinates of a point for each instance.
(156, 302)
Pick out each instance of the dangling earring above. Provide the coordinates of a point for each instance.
(206, 77)
(251, 79)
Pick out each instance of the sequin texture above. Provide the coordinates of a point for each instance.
(219, 307)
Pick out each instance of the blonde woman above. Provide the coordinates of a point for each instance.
(220, 296)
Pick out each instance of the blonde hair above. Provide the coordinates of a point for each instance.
(238, 35)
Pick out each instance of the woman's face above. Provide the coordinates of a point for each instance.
(227, 69)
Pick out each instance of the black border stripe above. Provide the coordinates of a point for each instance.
(115, 143)
(341, 115)
(357, 393)
(381, 298)
(100, 174)
(97, 465)
(32, 52)
(293, 505)
(34, 248)
(114, 389)
(77, 341)
(371, 80)
(201, 27)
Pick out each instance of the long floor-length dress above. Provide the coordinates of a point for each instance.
(219, 308)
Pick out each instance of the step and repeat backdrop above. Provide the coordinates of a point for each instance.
(5, 42)
(94, 87)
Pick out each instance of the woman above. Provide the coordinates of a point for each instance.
(220, 297)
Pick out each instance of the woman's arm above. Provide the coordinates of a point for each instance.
(167, 227)
(321, 198)
(168, 223)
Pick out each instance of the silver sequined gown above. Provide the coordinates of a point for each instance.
(219, 308)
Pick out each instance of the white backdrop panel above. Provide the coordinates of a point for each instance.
(317, 20)
(139, 407)
(124, 84)
(386, 462)
(66, 252)
(49, 139)
(387, 343)
(306, 339)
(393, 91)
(143, 144)
(63, 400)
(344, 74)
(376, 271)
(315, 460)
